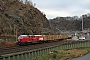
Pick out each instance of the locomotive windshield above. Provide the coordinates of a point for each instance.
(21, 36)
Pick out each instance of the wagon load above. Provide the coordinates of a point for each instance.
(56, 37)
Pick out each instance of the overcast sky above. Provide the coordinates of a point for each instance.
(63, 8)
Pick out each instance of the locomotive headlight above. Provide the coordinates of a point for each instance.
(19, 40)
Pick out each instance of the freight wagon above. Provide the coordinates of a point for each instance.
(27, 39)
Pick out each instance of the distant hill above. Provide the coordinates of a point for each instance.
(21, 18)
(70, 23)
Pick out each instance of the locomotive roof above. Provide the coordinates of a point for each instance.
(37, 35)
(30, 35)
(23, 35)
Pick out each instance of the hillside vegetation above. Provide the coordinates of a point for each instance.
(71, 23)
(20, 18)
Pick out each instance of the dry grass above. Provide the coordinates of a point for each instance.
(6, 44)
(69, 54)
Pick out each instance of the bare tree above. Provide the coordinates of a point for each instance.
(26, 1)
(34, 4)
(20, 1)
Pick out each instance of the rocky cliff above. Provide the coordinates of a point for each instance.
(20, 18)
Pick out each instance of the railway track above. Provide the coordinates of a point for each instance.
(28, 47)
(16, 49)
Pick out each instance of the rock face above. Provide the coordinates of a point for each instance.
(16, 17)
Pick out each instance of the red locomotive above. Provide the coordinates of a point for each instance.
(25, 39)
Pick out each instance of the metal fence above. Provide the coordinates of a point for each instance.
(33, 54)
